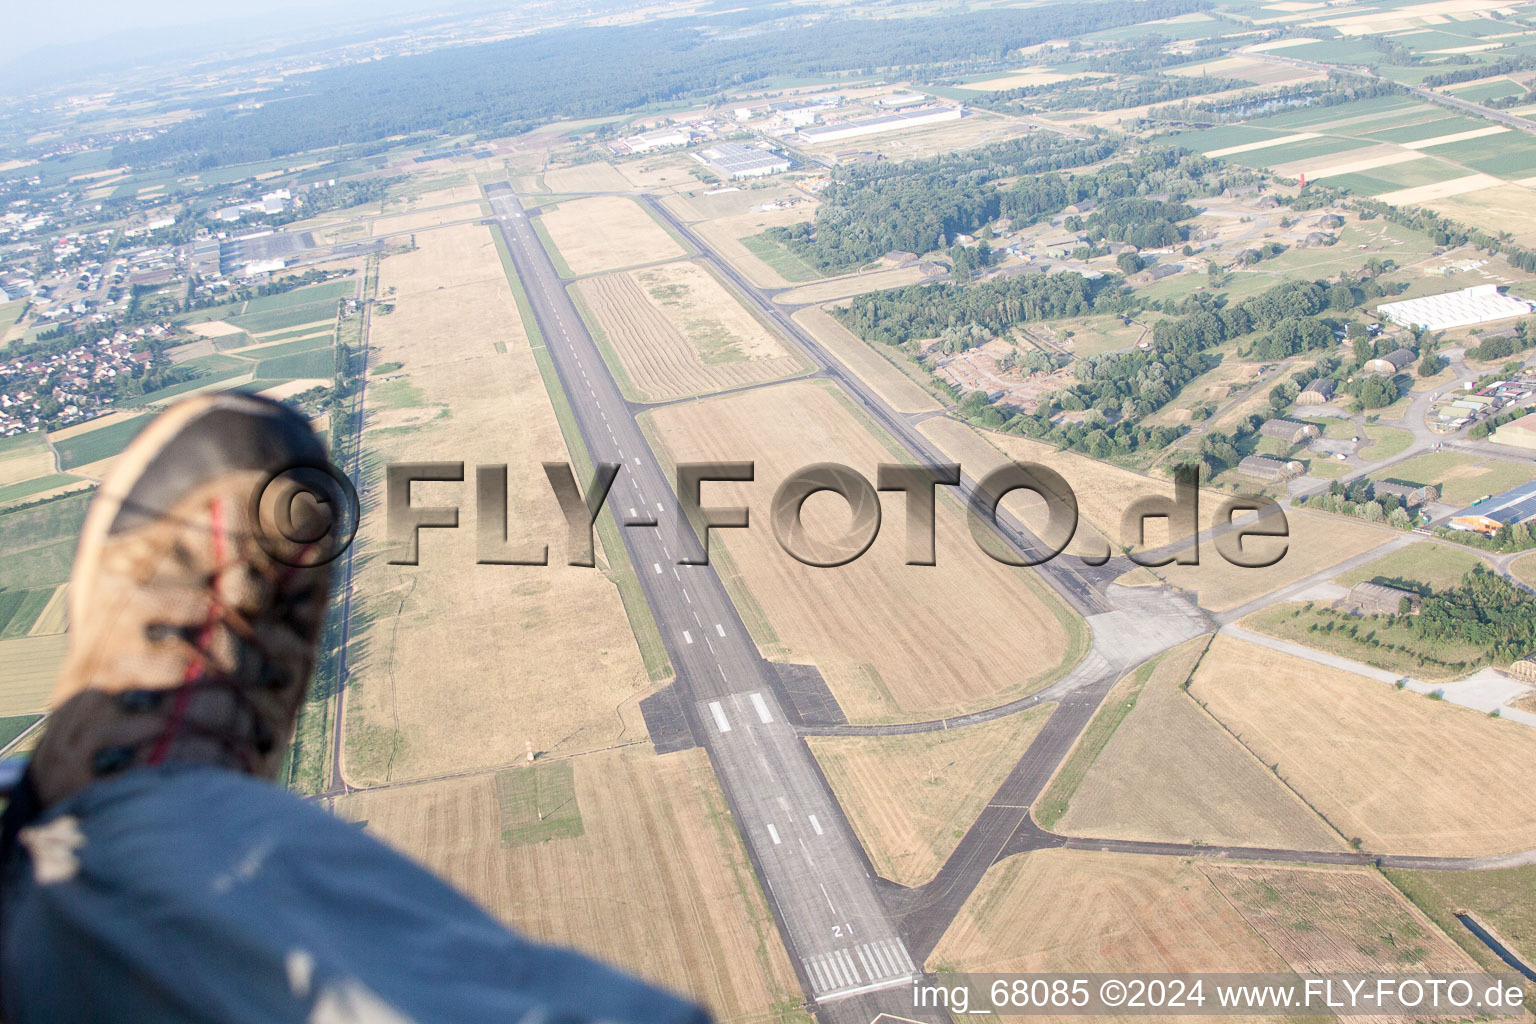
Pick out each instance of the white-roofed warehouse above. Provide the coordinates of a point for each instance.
(735, 160)
(1476, 305)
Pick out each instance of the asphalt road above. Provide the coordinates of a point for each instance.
(820, 886)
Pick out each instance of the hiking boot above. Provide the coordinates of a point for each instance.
(192, 631)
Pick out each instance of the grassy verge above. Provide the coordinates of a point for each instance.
(785, 263)
(561, 267)
(1371, 639)
(605, 348)
(1058, 796)
(647, 637)
(1499, 899)
(538, 803)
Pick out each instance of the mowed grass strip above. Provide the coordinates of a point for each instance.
(538, 803)
(1439, 566)
(1120, 702)
(37, 485)
(772, 252)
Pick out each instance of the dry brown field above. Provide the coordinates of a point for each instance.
(1170, 773)
(1403, 773)
(25, 463)
(851, 284)
(31, 666)
(1336, 921)
(1525, 569)
(974, 129)
(911, 798)
(662, 172)
(426, 218)
(677, 332)
(54, 618)
(701, 205)
(459, 665)
(871, 626)
(658, 883)
(897, 390)
(1127, 913)
(597, 176)
(1316, 542)
(603, 233)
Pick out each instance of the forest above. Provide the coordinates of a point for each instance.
(921, 206)
(503, 87)
(1091, 94)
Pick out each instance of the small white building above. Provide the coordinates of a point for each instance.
(661, 138)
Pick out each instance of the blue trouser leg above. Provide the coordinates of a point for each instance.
(194, 894)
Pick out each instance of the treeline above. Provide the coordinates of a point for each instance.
(1338, 90)
(504, 86)
(1089, 94)
(920, 206)
(1502, 66)
(1485, 611)
(914, 313)
(1144, 223)
(1505, 344)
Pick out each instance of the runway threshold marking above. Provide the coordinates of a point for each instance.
(815, 824)
(719, 713)
(762, 709)
(719, 629)
(687, 636)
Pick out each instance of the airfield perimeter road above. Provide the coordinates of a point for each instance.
(819, 884)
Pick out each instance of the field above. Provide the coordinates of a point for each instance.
(30, 666)
(871, 626)
(1440, 566)
(605, 233)
(1462, 478)
(1127, 913)
(459, 665)
(1402, 773)
(1170, 773)
(591, 177)
(24, 458)
(102, 443)
(427, 219)
(911, 798)
(1316, 542)
(37, 545)
(1331, 921)
(658, 882)
(740, 239)
(1499, 899)
(675, 331)
(1524, 569)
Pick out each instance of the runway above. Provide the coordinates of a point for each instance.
(822, 891)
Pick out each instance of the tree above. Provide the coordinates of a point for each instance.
(1364, 348)
(1129, 262)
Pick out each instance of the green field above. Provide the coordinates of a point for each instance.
(37, 485)
(14, 726)
(1408, 174)
(1439, 566)
(319, 362)
(102, 443)
(1500, 899)
(185, 387)
(287, 317)
(1511, 154)
(1461, 478)
(37, 544)
(538, 803)
(288, 348)
(19, 610)
(329, 291)
(1273, 156)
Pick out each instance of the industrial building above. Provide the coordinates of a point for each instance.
(1319, 391)
(897, 100)
(1489, 515)
(736, 160)
(1378, 599)
(1476, 305)
(1289, 431)
(1270, 470)
(1390, 364)
(1409, 494)
(882, 123)
(1521, 433)
(661, 138)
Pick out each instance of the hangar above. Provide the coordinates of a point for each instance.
(1476, 305)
